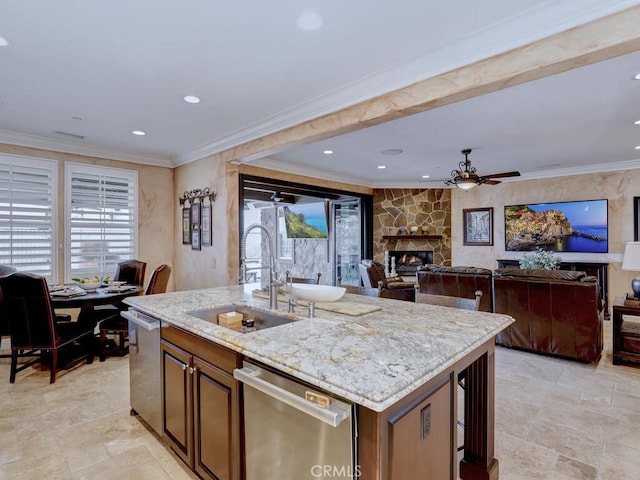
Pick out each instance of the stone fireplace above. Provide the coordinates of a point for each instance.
(408, 261)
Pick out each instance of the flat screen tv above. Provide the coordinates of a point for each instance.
(307, 220)
(560, 227)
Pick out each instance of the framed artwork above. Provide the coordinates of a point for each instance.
(195, 214)
(636, 219)
(195, 238)
(477, 226)
(186, 226)
(205, 225)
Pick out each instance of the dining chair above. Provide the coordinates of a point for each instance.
(131, 271)
(4, 322)
(447, 301)
(314, 281)
(116, 325)
(36, 332)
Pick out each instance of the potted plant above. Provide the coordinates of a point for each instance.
(540, 259)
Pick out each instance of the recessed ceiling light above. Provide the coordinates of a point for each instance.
(382, 167)
(637, 77)
(139, 132)
(310, 21)
(426, 176)
(392, 151)
(637, 122)
(638, 147)
(328, 152)
(191, 99)
(3, 42)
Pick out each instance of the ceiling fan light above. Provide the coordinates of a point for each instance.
(466, 183)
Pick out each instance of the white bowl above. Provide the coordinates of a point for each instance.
(316, 293)
(89, 285)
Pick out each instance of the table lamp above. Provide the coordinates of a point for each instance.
(631, 261)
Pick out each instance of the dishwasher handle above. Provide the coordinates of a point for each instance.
(333, 415)
(148, 323)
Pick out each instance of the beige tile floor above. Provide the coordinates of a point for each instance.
(555, 420)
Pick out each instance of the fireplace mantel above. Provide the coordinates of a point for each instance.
(412, 237)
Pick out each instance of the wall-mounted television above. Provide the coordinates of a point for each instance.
(560, 227)
(306, 220)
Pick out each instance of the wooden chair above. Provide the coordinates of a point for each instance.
(4, 322)
(446, 301)
(131, 271)
(116, 325)
(35, 331)
(313, 281)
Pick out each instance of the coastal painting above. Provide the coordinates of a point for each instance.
(307, 220)
(580, 226)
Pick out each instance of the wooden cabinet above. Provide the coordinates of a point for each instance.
(201, 404)
(420, 438)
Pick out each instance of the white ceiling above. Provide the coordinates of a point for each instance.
(102, 69)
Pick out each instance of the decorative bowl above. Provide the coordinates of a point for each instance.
(317, 293)
(89, 285)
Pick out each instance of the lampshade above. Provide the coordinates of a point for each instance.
(631, 261)
(466, 183)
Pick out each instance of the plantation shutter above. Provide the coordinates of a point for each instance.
(101, 227)
(28, 206)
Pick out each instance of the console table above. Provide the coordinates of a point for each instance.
(626, 334)
(596, 269)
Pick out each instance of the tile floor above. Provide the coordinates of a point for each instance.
(556, 420)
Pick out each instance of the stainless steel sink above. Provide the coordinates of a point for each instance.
(262, 318)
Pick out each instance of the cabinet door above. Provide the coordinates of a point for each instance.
(216, 422)
(177, 400)
(420, 439)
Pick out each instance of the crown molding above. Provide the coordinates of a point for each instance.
(80, 148)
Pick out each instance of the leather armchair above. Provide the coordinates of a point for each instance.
(373, 276)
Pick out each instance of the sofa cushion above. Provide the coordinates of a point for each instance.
(570, 275)
(462, 269)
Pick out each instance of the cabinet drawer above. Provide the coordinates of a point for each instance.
(213, 353)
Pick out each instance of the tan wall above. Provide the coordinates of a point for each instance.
(155, 200)
(618, 188)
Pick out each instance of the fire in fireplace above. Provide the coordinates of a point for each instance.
(408, 261)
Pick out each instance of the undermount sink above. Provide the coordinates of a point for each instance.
(262, 318)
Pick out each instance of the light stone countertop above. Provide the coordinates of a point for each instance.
(373, 360)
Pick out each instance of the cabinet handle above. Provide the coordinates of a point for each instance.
(191, 370)
(184, 366)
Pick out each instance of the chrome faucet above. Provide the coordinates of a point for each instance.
(273, 278)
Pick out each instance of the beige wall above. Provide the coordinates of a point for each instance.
(156, 200)
(618, 188)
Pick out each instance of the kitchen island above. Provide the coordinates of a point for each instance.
(395, 363)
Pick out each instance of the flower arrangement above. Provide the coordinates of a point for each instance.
(543, 259)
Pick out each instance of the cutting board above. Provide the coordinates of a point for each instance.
(343, 307)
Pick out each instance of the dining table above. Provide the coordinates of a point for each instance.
(89, 299)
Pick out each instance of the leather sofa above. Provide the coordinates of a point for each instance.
(460, 282)
(373, 276)
(556, 312)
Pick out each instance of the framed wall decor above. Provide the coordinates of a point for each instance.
(477, 226)
(205, 226)
(636, 219)
(195, 238)
(186, 226)
(195, 214)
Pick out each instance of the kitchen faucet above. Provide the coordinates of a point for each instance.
(273, 281)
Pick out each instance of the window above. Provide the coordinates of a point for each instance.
(28, 218)
(101, 219)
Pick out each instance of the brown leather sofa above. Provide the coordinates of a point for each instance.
(556, 312)
(373, 276)
(460, 282)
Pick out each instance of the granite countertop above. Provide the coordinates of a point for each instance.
(373, 360)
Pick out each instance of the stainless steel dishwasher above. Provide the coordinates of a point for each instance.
(144, 367)
(293, 431)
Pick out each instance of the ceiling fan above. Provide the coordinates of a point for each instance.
(466, 178)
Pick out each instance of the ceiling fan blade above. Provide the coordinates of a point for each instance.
(491, 182)
(503, 175)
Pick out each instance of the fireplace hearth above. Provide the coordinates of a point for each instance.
(408, 261)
